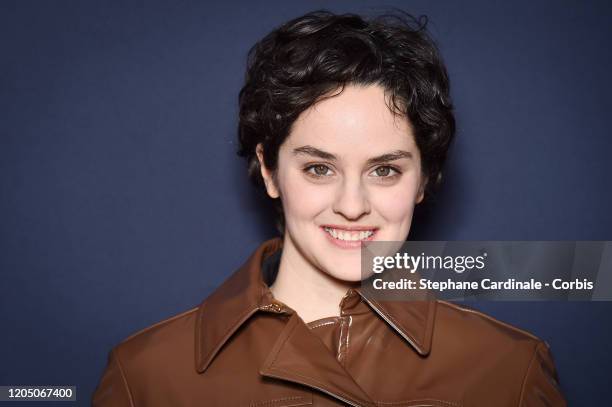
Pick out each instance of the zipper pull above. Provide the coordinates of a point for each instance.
(273, 307)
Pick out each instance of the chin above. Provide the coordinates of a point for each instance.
(348, 277)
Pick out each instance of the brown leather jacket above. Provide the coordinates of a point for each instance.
(240, 347)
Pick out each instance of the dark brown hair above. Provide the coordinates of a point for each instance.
(304, 60)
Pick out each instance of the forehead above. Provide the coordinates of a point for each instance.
(357, 120)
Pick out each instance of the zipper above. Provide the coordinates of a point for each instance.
(400, 331)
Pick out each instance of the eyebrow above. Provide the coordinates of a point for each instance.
(315, 152)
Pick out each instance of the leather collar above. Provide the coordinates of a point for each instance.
(246, 292)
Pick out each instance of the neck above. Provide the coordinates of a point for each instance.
(312, 293)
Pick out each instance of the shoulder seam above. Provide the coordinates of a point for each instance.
(123, 378)
(490, 318)
(164, 321)
(533, 357)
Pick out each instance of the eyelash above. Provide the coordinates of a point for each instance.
(307, 171)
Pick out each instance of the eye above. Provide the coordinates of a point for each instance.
(318, 170)
(385, 171)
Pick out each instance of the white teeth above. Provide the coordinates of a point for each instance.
(348, 235)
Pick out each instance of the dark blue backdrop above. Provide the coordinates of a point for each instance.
(122, 202)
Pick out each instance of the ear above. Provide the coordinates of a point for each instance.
(421, 193)
(266, 174)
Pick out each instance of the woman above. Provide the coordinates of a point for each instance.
(345, 123)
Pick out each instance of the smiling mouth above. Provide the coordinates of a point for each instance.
(350, 235)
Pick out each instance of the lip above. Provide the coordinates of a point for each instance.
(345, 244)
(350, 228)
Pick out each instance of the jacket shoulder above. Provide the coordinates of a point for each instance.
(515, 363)
(145, 360)
(166, 343)
(474, 335)
(481, 324)
(167, 325)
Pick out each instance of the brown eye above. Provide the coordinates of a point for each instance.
(383, 171)
(318, 170)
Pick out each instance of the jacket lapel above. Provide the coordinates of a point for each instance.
(233, 303)
(299, 356)
(413, 320)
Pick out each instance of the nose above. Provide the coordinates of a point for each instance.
(351, 200)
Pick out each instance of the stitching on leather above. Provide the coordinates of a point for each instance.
(123, 378)
(339, 351)
(348, 333)
(261, 403)
(322, 324)
(198, 339)
(533, 357)
(490, 318)
(294, 398)
(343, 341)
(322, 385)
(164, 321)
(403, 402)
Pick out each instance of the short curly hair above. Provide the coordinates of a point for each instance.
(302, 61)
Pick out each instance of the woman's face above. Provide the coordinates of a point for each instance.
(349, 171)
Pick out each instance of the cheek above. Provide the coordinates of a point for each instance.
(396, 204)
(302, 200)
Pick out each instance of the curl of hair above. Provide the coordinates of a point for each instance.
(313, 56)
